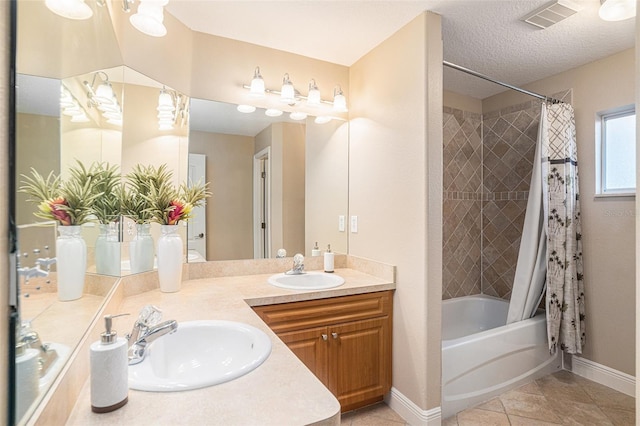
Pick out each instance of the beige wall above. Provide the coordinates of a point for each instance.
(608, 223)
(461, 102)
(395, 189)
(637, 216)
(229, 169)
(326, 191)
(38, 143)
(293, 185)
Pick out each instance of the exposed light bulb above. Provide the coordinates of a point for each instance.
(165, 101)
(298, 115)
(104, 93)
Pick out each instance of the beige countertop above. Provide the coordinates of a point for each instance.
(282, 391)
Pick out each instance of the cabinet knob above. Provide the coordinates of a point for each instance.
(334, 335)
(324, 337)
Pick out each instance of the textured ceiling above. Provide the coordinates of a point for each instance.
(484, 35)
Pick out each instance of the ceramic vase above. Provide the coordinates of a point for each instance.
(141, 251)
(71, 260)
(108, 250)
(170, 254)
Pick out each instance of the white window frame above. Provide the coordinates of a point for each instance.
(601, 186)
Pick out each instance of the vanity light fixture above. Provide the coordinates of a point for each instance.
(103, 98)
(71, 9)
(71, 107)
(257, 89)
(247, 109)
(313, 97)
(339, 101)
(617, 10)
(272, 112)
(288, 93)
(149, 17)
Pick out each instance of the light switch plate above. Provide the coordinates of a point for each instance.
(341, 225)
(354, 224)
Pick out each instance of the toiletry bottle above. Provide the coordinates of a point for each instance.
(109, 370)
(316, 250)
(328, 259)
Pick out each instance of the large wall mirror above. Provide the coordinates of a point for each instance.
(276, 182)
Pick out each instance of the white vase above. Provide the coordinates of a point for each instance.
(71, 262)
(108, 250)
(141, 251)
(170, 254)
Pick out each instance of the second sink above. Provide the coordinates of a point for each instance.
(307, 281)
(200, 354)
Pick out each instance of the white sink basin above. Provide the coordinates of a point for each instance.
(200, 354)
(308, 281)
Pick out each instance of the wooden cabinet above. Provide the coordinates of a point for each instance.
(345, 341)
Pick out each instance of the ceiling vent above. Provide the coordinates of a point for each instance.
(551, 13)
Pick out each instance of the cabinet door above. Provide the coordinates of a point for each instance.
(360, 361)
(310, 346)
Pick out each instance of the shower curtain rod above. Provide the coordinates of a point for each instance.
(517, 89)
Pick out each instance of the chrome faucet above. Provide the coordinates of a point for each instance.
(145, 330)
(298, 265)
(28, 338)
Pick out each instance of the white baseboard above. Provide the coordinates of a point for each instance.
(604, 375)
(410, 412)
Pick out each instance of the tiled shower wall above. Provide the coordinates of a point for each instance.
(488, 161)
(462, 180)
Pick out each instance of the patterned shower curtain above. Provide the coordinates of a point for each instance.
(561, 205)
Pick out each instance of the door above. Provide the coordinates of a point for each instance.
(360, 361)
(196, 227)
(262, 204)
(310, 346)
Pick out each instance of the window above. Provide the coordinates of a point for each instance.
(616, 134)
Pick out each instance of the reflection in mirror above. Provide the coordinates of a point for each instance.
(47, 331)
(275, 182)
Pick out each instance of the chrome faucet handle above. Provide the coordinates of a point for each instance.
(298, 265)
(149, 316)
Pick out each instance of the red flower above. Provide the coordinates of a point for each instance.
(56, 209)
(176, 213)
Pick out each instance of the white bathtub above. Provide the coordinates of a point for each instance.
(482, 357)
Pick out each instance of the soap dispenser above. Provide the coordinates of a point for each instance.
(328, 259)
(109, 370)
(316, 250)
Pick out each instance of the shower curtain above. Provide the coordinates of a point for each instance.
(557, 226)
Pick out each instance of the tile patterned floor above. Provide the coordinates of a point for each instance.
(559, 399)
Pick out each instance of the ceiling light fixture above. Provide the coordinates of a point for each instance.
(166, 109)
(149, 18)
(71, 9)
(617, 10)
(322, 119)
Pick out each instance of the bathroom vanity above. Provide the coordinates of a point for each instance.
(354, 364)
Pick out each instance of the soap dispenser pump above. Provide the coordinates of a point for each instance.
(328, 260)
(316, 250)
(109, 370)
